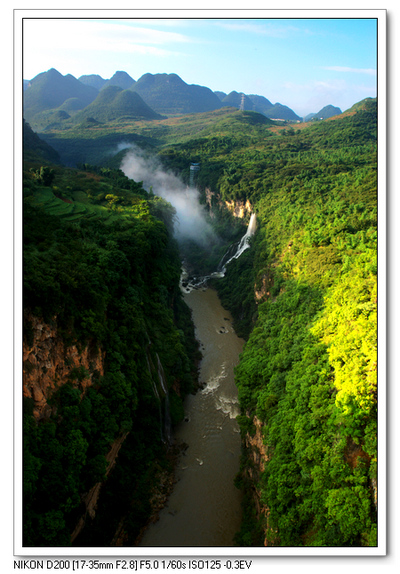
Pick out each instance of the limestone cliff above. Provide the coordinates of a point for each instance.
(209, 196)
(262, 289)
(48, 363)
(239, 208)
(257, 457)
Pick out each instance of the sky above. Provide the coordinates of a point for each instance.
(304, 63)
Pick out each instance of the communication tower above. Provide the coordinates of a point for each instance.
(194, 168)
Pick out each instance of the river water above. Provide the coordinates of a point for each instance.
(204, 508)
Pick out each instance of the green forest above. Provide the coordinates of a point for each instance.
(101, 261)
(309, 368)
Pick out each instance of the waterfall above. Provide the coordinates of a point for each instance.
(233, 252)
(236, 250)
(167, 414)
(165, 422)
(156, 394)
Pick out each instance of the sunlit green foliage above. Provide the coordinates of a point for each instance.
(308, 370)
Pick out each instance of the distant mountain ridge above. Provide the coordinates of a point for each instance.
(51, 98)
(237, 100)
(259, 104)
(50, 90)
(113, 102)
(120, 79)
(323, 114)
(93, 80)
(169, 94)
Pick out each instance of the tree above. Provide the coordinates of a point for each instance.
(44, 175)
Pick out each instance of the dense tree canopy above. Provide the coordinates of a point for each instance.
(309, 369)
(99, 257)
(107, 274)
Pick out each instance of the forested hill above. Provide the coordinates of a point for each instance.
(305, 297)
(308, 373)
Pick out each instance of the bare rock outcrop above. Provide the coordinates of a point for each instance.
(239, 208)
(48, 363)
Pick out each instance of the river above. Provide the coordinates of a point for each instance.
(204, 508)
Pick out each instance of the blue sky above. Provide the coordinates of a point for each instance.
(304, 63)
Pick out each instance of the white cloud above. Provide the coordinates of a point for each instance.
(47, 36)
(61, 42)
(267, 29)
(332, 86)
(369, 71)
(115, 34)
(243, 27)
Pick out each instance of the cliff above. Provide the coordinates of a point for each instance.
(90, 499)
(257, 457)
(239, 208)
(48, 363)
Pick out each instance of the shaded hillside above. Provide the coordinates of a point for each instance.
(261, 104)
(113, 102)
(70, 106)
(169, 94)
(35, 149)
(221, 95)
(238, 101)
(280, 112)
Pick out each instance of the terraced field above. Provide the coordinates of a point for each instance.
(76, 205)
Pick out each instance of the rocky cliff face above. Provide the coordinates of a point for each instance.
(263, 287)
(257, 456)
(48, 363)
(90, 499)
(239, 208)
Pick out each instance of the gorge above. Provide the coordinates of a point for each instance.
(112, 357)
(204, 507)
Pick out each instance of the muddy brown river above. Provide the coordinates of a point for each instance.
(204, 507)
